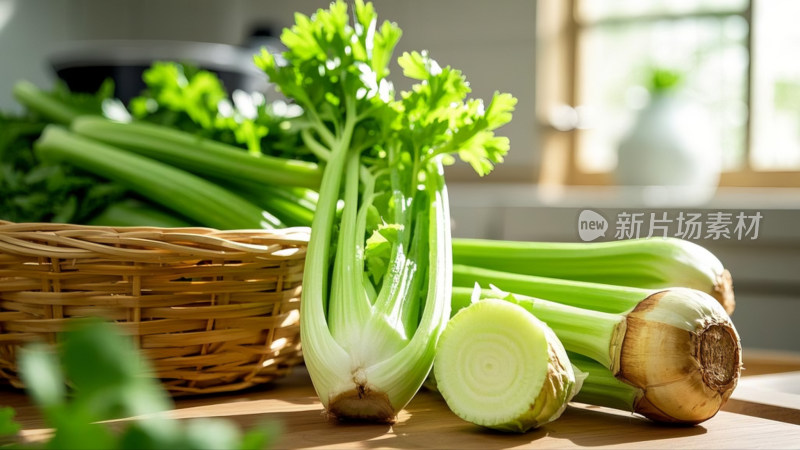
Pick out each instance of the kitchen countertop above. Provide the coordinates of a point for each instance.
(744, 422)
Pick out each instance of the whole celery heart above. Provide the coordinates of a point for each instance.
(377, 280)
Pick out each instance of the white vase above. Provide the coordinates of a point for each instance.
(670, 153)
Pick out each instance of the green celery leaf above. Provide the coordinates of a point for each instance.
(378, 251)
(65, 212)
(85, 103)
(191, 99)
(262, 435)
(7, 425)
(75, 432)
(33, 191)
(439, 120)
(142, 436)
(109, 379)
(107, 373)
(42, 376)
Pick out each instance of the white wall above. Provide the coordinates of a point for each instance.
(491, 42)
(27, 29)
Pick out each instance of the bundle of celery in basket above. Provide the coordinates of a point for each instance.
(185, 152)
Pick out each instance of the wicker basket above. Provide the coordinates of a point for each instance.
(212, 310)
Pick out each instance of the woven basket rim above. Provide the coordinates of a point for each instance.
(89, 241)
(292, 233)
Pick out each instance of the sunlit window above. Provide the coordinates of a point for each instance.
(737, 58)
(776, 86)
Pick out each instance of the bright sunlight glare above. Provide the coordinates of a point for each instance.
(6, 12)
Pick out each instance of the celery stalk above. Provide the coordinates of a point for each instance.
(645, 263)
(602, 388)
(133, 213)
(178, 190)
(34, 99)
(596, 296)
(202, 156)
(293, 206)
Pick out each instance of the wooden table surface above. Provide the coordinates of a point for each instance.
(427, 422)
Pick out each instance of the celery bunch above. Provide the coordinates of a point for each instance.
(644, 263)
(377, 280)
(179, 161)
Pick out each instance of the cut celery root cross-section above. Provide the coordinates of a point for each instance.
(500, 367)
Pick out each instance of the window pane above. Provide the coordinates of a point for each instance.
(613, 63)
(592, 10)
(776, 85)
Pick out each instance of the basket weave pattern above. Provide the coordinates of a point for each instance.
(211, 310)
